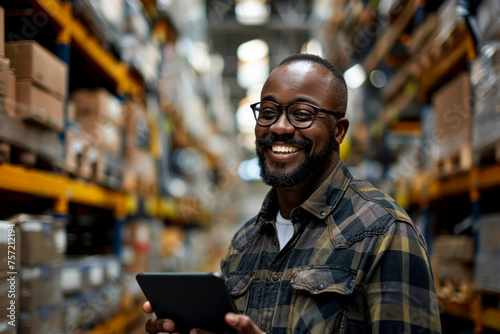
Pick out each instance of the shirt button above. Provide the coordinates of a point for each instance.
(322, 213)
(320, 287)
(275, 278)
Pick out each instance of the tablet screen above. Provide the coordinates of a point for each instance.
(191, 300)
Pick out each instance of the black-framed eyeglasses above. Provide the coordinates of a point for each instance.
(301, 115)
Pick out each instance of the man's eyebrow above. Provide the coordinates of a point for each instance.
(297, 99)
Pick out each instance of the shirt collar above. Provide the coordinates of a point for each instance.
(324, 200)
(321, 203)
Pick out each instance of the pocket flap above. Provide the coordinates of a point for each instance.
(238, 282)
(321, 279)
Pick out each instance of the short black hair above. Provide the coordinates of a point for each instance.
(341, 94)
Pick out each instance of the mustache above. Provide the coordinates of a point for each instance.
(285, 139)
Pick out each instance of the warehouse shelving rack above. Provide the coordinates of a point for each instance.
(428, 66)
(71, 30)
(63, 189)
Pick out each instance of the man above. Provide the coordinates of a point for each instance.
(327, 253)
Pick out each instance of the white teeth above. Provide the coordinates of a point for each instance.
(284, 149)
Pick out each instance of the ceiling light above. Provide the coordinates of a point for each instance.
(252, 12)
(355, 76)
(252, 73)
(253, 50)
(378, 78)
(313, 47)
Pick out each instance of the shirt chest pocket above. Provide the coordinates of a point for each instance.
(238, 284)
(321, 297)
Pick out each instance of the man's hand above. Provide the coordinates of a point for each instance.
(240, 322)
(157, 325)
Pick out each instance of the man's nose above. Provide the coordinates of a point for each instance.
(282, 125)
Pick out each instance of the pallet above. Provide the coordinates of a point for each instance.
(16, 155)
(30, 146)
(458, 162)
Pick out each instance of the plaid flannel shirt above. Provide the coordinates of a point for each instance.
(355, 264)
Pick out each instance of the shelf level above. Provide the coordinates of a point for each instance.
(71, 29)
(476, 179)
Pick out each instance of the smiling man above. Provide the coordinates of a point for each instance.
(327, 253)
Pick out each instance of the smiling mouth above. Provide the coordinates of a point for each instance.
(284, 149)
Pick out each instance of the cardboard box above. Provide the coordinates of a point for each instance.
(102, 133)
(96, 104)
(43, 238)
(487, 266)
(40, 284)
(71, 117)
(32, 61)
(10, 99)
(452, 106)
(4, 75)
(2, 31)
(137, 126)
(454, 248)
(137, 246)
(37, 105)
(82, 273)
(141, 171)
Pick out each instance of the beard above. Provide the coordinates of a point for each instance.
(280, 178)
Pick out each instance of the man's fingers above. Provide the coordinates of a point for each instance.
(242, 323)
(147, 307)
(159, 325)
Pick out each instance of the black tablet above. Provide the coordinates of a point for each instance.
(191, 300)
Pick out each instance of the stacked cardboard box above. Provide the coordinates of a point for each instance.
(100, 116)
(452, 264)
(6, 76)
(485, 77)
(141, 175)
(92, 290)
(41, 83)
(452, 105)
(487, 18)
(487, 268)
(137, 238)
(42, 248)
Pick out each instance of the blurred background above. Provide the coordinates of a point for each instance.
(127, 145)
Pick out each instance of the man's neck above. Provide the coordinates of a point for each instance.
(292, 197)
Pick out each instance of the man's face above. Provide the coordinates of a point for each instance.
(289, 156)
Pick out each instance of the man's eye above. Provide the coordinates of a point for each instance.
(268, 113)
(302, 114)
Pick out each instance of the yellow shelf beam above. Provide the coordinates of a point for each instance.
(62, 15)
(60, 188)
(120, 323)
(476, 179)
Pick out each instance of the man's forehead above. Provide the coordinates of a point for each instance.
(299, 67)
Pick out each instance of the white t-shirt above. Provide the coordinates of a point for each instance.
(284, 227)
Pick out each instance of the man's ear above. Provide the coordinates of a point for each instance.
(341, 127)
